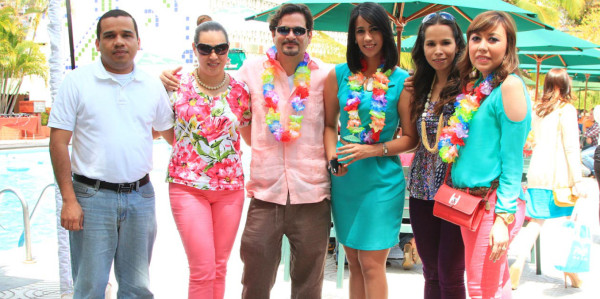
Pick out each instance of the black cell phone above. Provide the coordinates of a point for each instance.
(334, 165)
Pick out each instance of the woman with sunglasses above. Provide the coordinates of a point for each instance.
(367, 189)
(206, 183)
(494, 111)
(436, 80)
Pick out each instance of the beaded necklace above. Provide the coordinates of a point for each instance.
(379, 82)
(424, 138)
(467, 103)
(301, 84)
(225, 76)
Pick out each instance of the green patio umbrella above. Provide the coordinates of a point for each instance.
(407, 15)
(587, 78)
(563, 59)
(543, 41)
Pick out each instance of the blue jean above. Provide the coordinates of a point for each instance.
(587, 157)
(119, 226)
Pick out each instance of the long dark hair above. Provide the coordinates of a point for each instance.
(377, 16)
(424, 72)
(557, 88)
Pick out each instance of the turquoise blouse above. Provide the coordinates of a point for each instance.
(494, 149)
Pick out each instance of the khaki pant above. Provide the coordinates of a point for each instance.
(307, 228)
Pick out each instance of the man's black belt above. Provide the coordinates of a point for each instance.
(120, 188)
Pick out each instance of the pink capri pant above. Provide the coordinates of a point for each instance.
(485, 278)
(207, 222)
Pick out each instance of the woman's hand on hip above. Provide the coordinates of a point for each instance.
(499, 239)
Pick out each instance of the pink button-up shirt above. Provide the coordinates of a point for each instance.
(298, 167)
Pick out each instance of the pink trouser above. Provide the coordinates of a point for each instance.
(485, 278)
(207, 222)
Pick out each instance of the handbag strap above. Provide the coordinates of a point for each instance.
(447, 172)
(562, 140)
(446, 178)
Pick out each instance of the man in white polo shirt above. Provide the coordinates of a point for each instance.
(109, 108)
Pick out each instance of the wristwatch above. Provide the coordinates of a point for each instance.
(385, 149)
(506, 217)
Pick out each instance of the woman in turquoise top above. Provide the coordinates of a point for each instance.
(493, 151)
(368, 188)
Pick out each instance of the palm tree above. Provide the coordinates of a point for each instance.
(555, 12)
(18, 58)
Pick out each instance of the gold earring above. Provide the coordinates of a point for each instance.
(474, 72)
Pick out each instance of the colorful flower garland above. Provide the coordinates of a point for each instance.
(378, 107)
(301, 84)
(467, 103)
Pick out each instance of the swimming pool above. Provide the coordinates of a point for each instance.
(28, 171)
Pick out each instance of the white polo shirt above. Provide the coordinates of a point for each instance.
(111, 122)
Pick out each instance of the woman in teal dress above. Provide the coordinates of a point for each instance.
(365, 95)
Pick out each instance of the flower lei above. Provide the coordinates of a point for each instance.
(301, 84)
(378, 107)
(467, 103)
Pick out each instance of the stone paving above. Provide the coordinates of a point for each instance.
(169, 271)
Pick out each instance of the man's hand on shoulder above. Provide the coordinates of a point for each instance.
(169, 80)
(409, 84)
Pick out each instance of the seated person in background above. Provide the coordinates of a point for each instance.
(591, 140)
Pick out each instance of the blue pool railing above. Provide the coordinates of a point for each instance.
(26, 227)
(26, 219)
(37, 202)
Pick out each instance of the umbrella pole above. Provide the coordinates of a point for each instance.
(70, 31)
(537, 78)
(399, 29)
(587, 77)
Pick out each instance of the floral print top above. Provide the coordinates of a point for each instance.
(427, 170)
(206, 150)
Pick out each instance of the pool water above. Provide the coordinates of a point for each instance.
(26, 171)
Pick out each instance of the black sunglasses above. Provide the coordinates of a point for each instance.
(285, 30)
(444, 15)
(220, 49)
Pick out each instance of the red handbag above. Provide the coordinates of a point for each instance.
(459, 207)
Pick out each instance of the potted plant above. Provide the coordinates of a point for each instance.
(18, 57)
(45, 130)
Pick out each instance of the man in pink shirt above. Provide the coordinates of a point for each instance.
(289, 182)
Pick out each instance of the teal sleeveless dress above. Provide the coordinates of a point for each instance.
(368, 201)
